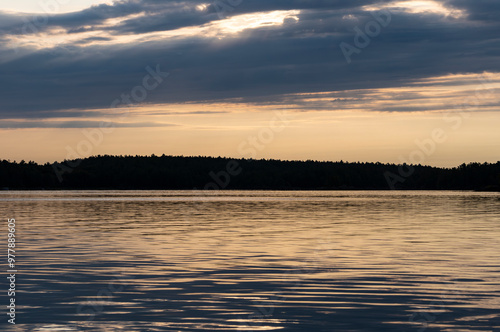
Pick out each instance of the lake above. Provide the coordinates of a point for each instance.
(254, 260)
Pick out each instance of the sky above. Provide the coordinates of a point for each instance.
(356, 80)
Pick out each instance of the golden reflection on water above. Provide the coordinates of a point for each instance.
(256, 260)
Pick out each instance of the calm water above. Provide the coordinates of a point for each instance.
(255, 260)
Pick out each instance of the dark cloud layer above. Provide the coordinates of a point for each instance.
(259, 65)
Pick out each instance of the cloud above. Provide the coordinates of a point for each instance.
(78, 124)
(92, 39)
(484, 10)
(86, 60)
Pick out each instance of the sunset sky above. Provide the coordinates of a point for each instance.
(352, 80)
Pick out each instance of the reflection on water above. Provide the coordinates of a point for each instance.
(256, 260)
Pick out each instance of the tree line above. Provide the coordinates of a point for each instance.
(177, 172)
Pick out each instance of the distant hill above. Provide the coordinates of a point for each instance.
(171, 172)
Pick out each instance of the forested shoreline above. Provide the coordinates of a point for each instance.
(212, 173)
